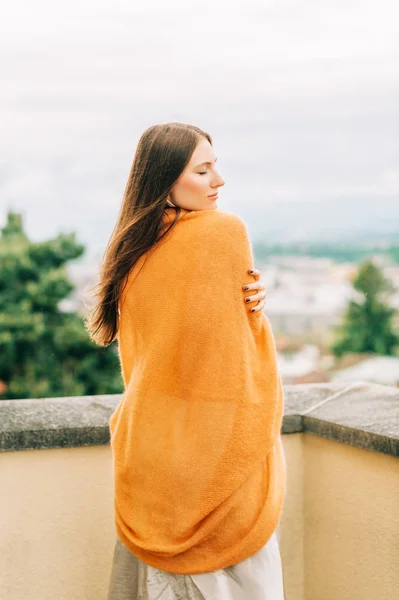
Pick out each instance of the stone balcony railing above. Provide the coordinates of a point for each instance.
(339, 532)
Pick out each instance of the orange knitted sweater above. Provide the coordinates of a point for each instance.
(198, 464)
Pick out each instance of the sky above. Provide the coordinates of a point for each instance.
(301, 99)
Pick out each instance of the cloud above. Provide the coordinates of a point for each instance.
(301, 99)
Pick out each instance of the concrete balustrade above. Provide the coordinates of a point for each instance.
(339, 533)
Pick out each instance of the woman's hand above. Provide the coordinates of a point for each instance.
(260, 296)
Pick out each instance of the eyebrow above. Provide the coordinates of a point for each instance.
(205, 163)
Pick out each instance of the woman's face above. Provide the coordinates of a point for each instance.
(199, 181)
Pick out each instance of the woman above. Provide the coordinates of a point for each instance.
(198, 463)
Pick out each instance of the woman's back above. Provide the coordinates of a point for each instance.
(198, 461)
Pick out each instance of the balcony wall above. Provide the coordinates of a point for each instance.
(339, 533)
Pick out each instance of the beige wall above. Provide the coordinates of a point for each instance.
(351, 522)
(56, 524)
(292, 532)
(339, 535)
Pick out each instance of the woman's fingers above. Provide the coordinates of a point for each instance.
(260, 294)
(254, 297)
(257, 296)
(254, 272)
(259, 306)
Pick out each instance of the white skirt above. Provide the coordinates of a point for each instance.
(258, 577)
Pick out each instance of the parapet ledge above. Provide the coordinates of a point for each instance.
(361, 414)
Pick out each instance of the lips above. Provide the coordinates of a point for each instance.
(213, 195)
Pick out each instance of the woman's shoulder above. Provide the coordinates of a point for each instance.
(205, 218)
(220, 230)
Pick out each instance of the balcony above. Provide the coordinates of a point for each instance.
(339, 533)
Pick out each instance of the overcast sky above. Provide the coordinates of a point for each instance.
(301, 99)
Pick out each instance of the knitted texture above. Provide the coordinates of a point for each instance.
(198, 464)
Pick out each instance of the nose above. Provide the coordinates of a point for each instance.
(219, 182)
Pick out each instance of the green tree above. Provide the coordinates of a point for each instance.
(367, 325)
(46, 352)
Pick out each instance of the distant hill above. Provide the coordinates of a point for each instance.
(326, 220)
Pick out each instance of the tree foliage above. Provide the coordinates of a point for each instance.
(45, 352)
(368, 322)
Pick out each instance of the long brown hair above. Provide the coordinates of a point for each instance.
(162, 153)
